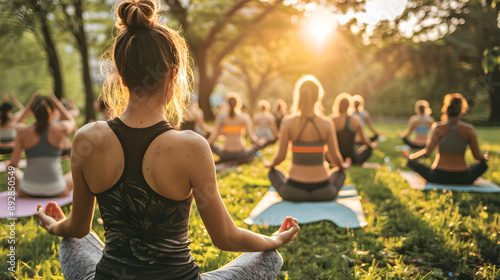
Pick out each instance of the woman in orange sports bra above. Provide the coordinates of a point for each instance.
(308, 131)
(233, 125)
(451, 136)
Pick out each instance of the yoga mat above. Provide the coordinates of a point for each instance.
(225, 166)
(374, 165)
(3, 166)
(402, 148)
(26, 206)
(345, 211)
(418, 183)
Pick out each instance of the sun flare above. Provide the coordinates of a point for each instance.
(320, 25)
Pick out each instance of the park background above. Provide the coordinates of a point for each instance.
(391, 52)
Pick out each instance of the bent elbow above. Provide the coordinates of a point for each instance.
(81, 233)
(224, 244)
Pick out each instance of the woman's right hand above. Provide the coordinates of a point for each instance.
(49, 218)
(288, 231)
(347, 163)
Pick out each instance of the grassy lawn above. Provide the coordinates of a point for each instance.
(410, 234)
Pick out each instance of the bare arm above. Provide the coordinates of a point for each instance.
(73, 109)
(369, 123)
(333, 146)
(224, 233)
(200, 120)
(217, 129)
(249, 126)
(274, 126)
(79, 222)
(429, 146)
(283, 144)
(358, 127)
(27, 110)
(474, 145)
(67, 121)
(18, 149)
(411, 127)
(16, 102)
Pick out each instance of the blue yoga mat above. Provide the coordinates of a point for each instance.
(345, 211)
(418, 183)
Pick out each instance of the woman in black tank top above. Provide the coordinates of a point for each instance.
(346, 131)
(145, 175)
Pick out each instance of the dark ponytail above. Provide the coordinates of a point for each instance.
(232, 105)
(41, 113)
(421, 109)
(4, 109)
(455, 108)
(356, 105)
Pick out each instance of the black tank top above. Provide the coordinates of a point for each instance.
(345, 138)
(146, 233)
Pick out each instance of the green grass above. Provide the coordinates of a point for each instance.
(411, 234)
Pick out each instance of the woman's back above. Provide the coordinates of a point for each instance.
(302, 130)
(453, 139)
(145, 218)
(421, 125)
(234, 130)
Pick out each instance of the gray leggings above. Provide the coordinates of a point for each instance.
(79, 257)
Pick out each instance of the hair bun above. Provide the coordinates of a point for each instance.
(137, 13)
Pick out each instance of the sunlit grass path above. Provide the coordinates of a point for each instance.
(411, 234)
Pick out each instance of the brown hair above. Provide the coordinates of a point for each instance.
(234, 101)
(422, 107)
(359, 103)
(39, 109)
(454, 105)
(145, 55)
(280, 107)
(4, 113)
(342, 104)
(264, 106)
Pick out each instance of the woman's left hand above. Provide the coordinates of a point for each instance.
(50, 217)
(267, 163)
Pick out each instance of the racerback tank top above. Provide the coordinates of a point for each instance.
(146, 233)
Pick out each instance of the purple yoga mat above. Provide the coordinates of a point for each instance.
(27, 206)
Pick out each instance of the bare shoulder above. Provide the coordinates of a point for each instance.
(94, 133)
(289, 120)
(186, 141)
(466, 125)
(245, 116)
(24, 130)
(324, 120)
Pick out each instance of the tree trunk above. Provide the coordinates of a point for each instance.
(87, 79)
(54, 66)
(495, 96)
(206, 83)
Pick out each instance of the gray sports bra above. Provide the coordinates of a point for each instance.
(452, 142)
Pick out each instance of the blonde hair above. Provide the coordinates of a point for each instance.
(454, 105)
(307, 94)
(338, 100)
(145, 55)
(234, 102)
(426, 108)
(361, 103)
(264, 106)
